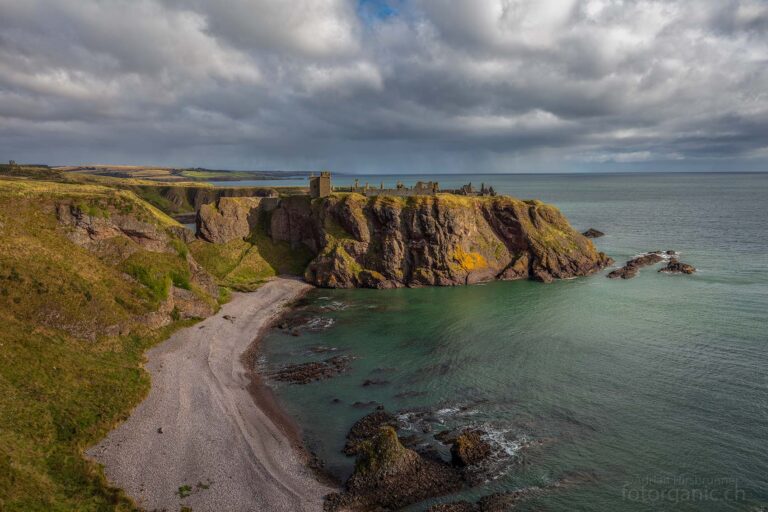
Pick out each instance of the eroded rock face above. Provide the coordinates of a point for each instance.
(89, 230)
(228, 219)
(386, 242)
(115, 233)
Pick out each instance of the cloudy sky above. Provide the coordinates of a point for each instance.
(397, 86)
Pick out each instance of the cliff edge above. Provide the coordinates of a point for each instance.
(442, 240)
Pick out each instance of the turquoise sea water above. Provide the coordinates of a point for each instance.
(646, 394)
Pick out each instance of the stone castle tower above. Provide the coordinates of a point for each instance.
(320, 186)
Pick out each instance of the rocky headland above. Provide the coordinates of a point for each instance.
(388, 242)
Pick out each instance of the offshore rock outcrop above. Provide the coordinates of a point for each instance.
(633, 266)
(389, 476)
(392, 472)
(593, 233)
(675, 266)
(469, 448)
(386, 242)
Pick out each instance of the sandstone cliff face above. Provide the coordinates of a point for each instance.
(441, 240)
(228, 219)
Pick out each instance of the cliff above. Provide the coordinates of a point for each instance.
(386, 242)
(186, 198)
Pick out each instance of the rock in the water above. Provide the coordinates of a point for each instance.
(455, 506)
(593, 233)
(304, 373)
(677, 267)
(624, 272)
(469, 448)
(389, 476)
(375, 382)
(366, 427)
(497, 502)
(633, 266)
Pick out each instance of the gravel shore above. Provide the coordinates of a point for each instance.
(206, 436)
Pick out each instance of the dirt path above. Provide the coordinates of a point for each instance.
(199, 440)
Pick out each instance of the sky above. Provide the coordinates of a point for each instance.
(398, 86)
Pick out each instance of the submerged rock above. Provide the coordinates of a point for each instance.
(497, 502)
(593, 233)
(375, 382)
(677, 267)
(304, 373)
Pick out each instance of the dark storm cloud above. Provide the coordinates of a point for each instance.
(465, 85)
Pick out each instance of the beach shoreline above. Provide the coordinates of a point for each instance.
(211, 435)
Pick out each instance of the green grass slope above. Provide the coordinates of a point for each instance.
(64, 383)
(244, 265)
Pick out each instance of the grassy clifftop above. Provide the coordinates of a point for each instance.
(89, 278)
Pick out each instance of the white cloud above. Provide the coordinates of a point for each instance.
(269, 83)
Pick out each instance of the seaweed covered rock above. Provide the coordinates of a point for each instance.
(469, 448)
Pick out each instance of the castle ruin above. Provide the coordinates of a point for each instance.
(321, 187)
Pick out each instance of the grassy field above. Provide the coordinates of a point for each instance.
(63, 383)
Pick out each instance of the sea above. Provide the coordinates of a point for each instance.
(596, 394)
